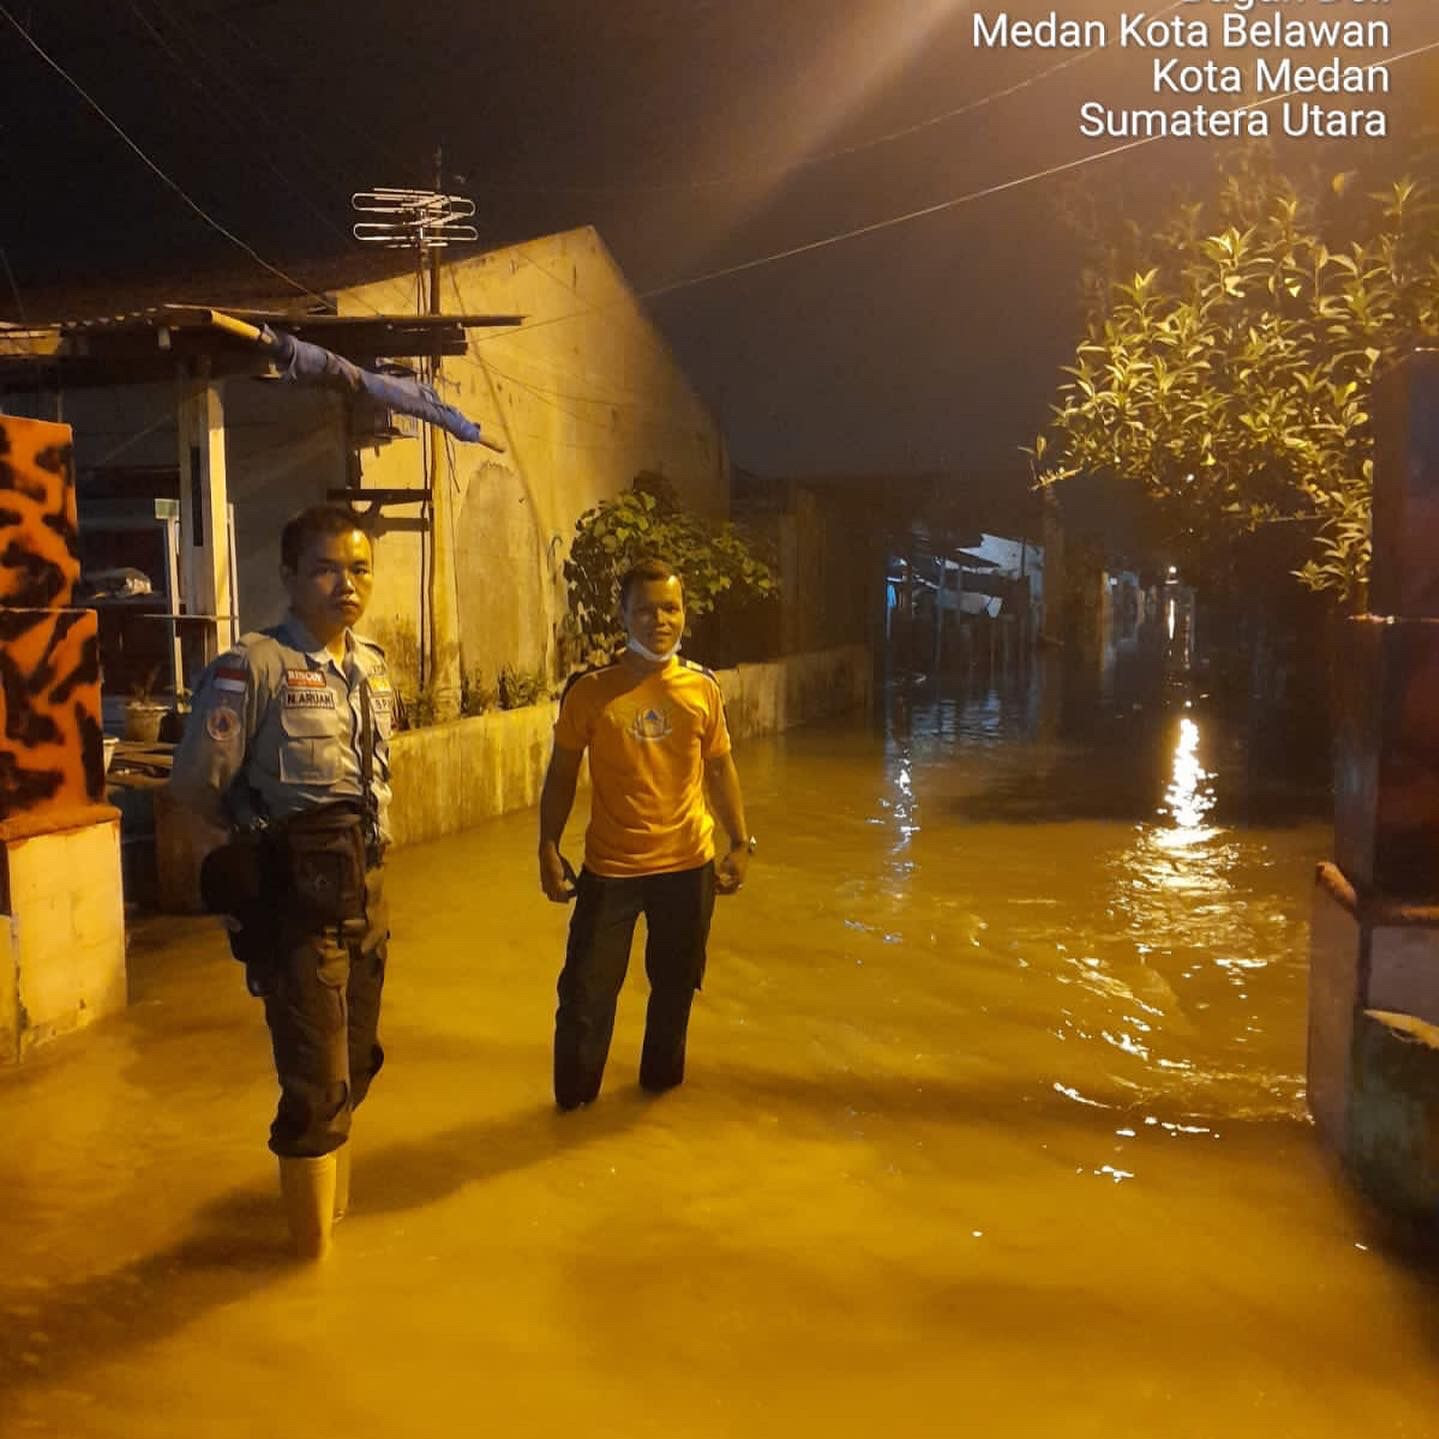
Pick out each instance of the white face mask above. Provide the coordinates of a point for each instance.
(649, 654)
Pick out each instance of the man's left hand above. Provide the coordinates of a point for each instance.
(731, 869)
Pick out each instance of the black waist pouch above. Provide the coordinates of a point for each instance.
(238, 880)
(321, 854)
(235, 876)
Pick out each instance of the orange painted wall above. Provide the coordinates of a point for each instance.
(51, 751)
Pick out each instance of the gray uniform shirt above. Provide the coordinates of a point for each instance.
(276, 726)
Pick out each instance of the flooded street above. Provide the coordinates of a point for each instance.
(994, 1125)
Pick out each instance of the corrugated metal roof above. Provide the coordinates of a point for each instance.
(139, 344)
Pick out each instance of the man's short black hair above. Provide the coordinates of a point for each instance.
(313, 524)
(652, 567)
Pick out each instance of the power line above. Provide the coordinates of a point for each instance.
(822, 157)
(235, 128)
(958, 200)
(14, 288)
(150, 164)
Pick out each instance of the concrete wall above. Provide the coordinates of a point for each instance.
(62, 937)
(584, 396)
(450, 777)
(829, 548)
(1373, 1051)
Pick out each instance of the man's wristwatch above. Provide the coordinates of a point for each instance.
(748, 845)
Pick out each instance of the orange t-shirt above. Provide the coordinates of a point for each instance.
(648, 738)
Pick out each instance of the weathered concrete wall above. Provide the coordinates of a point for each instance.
(764, 698)
(584, 395)
(452, 776)
(62, 938)
(1373, 1063)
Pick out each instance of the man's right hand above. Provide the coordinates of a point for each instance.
(557, 876)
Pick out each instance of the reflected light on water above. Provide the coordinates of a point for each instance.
(903, 806)
(1189, 797)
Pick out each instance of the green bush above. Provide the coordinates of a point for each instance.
(1227, 364)
(717, 562)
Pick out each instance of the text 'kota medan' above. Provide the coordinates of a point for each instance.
(1280, 77)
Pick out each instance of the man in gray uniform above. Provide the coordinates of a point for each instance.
(287, 748)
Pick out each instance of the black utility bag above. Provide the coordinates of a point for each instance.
(321, 856)
(234, 877)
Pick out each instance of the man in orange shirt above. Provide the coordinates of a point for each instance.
(654, 725)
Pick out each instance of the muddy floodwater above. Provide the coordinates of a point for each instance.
(995, 1125)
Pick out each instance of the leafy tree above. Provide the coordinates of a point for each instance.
(1229, 373)
(715, 560)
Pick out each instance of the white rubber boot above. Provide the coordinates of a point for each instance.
(308, 1187)
(342, 1181)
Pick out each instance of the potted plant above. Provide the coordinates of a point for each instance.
(172, 726)
(143, 712)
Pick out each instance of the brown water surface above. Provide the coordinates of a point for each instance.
(995, 1125)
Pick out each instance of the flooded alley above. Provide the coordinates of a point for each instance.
(995, 1125)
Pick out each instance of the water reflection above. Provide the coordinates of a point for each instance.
(1153, 937)
(1189, 796)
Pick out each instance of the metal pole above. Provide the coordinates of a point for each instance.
(234, 570)
(444, 619)
(172, 594)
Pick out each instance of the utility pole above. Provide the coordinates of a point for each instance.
(443, 600)
(427, 221)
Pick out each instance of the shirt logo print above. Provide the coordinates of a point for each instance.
(651, 724)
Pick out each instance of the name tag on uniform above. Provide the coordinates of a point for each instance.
(307, 699)
(305, 680)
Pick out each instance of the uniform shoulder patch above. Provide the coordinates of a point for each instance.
(230, 674)
(222, 724)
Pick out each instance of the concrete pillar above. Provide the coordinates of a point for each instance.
(62, 926)
(1373, 1063)
(1373, 1053)
(62, 939)
(206, 586)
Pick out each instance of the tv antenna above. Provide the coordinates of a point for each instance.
(422, 220)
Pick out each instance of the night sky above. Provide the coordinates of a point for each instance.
(694, 134)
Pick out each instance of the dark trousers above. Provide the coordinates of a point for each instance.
(321, 990)
(677, 909)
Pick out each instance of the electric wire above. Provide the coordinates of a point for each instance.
(723, 272)
(223, 111)
(823, 157)
(149, 163)
(14, 286)
(973, 195)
